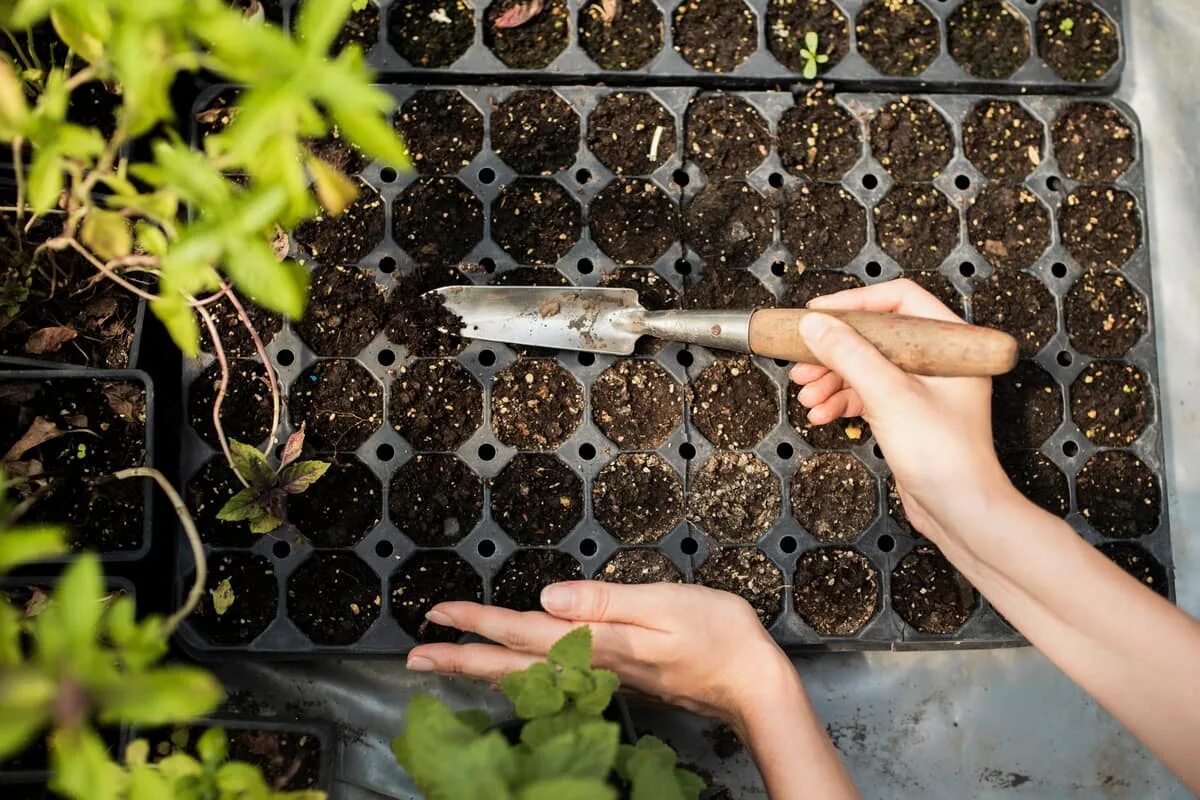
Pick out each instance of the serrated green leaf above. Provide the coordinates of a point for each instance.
(107, 234)
(298, 477)
(588, 751)
(159, 697)
(650, 767)
(213, 747)
(573, 650)
(604, 685)
(533, 691)
(476, 719)
(223, 596)
(251, 463)
(568, 789)
(536, 731)
(80, 766)
(575, 681)
(26, 543)
(246, 504)
(26, 700)
(449, 759)
(267, 523)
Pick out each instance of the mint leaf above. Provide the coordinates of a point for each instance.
(449, 759)
(588, 751)
(573, 650)
(604, 685)
(568, 789)
(159, 697)
(246, 504)
(533, 691)
(252, 465)
(301, 475)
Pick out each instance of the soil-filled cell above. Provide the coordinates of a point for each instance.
(1002, 139)
(633, 221)
(1105, 315)
(833, 497)
(250, 579)
(346, 310)
(631, 133)
(435, 499)
(638, 498)
(361, 28)
(725, 136)
(340, 508)
(431, 33)
(836, 590)
(896, 510)
(442, 129)
(930, 594)
(911, 140)
(1100, 226)
(290, 760)
(800, 288)
(339, 402)
(823, 225)
(535, 221)
(436, 404)
(333, 598)
(1027, 407)
(747, 572)
(1036, 477)
(234, 336)
(819, 138)
(988, 38)
(437, 221)
(536, 405)
(637, 404)
(348, 237)
(898, 37)
(714, 35)
(337, 151)
(1018, 304)
(537, 499)
(1110, 402)
(522, 41)
(728, 290)
(1093, 142)
(733, 497)
(624, 40)
(425, 580)
(246, 409)
(420, 322)
(1119, 495)
(1009, 226)
(1077, 39)
(840, 435)
(206, 493)
(639, 566)
(790, 21)
(1139, 564)
(729, 224)
(917, 226)
(519, 583)
(940, 287)
(734, 403)
(535, 132)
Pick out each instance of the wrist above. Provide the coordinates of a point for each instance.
(774, 685)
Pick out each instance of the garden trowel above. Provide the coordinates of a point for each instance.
(612, 320)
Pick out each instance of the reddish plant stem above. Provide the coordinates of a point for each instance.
(222, 387)
(261, 348)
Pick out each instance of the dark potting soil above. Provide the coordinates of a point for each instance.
(1002, 139)
(1138, 563)
(988, 38)
(655, 293)
(437, 221)
(1093, 142)
(729, 224)
(725, 136)
(841, 434)
(339, 152)
(340, 508)
(940, 287)
(897, 37)
(911, 140)
(251, 580)
(1110, 403)
(535, 132)
(340, 403)
(917, 226)
(1027, 407)
(533, 44)
(65, 437)
(639, 566)
(431, 33)
(361, 28)
(1077, 40)
(1036, 477)
(1018, 304)
(895, 508)
(206, 493)
(535, 221)
(290, 760)
(734, 404)
(819, 138)
(630, 132)
(421, 322)
(348, 237)
(425, 580)
(442, 129)
(714, 35)
(930, 594)
(1100, 226)
(346, 310)
(1119, 495)
(833, 497)
(1105, 316)
(747, 572)
(836, 590)
(1009, 226)
(536, 404)
(435, 499)
(638, 498)
(729, 290)
(235, 339)
(733, 497)
(823, 225)
(799, 288)
(637, 404)
(537, 499)
(216, 116)
(789, 21)
(333, 598)
(435, 404)
(633, 221)
(519, 583)
(627, 41)
(246, 409)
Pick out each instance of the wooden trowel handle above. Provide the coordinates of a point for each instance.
(915, 344)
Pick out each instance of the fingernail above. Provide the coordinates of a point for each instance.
(439, 618)
(814, 326)
(556, 598)
(419, 664)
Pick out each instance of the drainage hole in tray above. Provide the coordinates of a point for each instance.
(874, 269)
(386, 358)
(385, 452)
(779, 362)
(384, 548)
(680, 177)
(966, 269)
(388, 175)
(886, 544)
(962, 182)
(588, 548)
(784, 450)
(1070, 449)
(869, 181)
(486, 548)
(585, 266)
(281, 549)
(587, 359)
(1058, 269)
(583, 175)
(587, 451)
(684, 358)
(776, 180)
(778, 268)
(878, 453)
(683, 266)
(387, 265)
(689, 546)
(487, 175)
(687, 450)
(487, 358)
(486, 452)
(1064, 358)
(1054, 183)
(285, 358)
(489, 266)
(788, 544)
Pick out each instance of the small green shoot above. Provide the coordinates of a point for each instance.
(263, 502)
(1067, 26)
(812, 56)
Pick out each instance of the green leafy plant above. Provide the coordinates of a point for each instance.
(566, 749)
(812, 55)
(1067, 26)
(263, 503)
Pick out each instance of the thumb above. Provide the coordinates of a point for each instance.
(843, 350)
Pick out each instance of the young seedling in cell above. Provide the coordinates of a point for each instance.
(263, 502)
(811, 55)
(1067, 26)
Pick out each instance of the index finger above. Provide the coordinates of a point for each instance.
(900, 296)
(647, 605)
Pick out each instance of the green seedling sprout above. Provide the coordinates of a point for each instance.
(263, 502)
(1067, 26)
(812, 58)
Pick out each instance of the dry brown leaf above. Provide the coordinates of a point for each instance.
(49, 340)
(126, 400)
(517, 15)
(40, 431)
(609, 10)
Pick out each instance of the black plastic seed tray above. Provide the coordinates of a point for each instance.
(385, 549)
(135, 351)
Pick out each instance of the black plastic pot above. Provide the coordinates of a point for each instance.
(33, 362)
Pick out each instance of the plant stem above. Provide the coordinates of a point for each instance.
(19, 168)
(100, 265)
(222, 386)
(272, 379)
